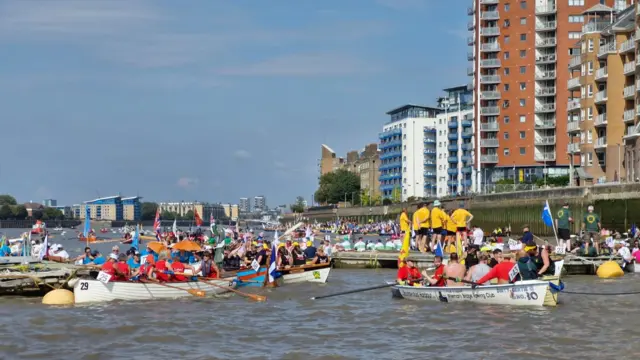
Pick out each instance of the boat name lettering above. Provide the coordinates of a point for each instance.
(531, 296)
(451, 295)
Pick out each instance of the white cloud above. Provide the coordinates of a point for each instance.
(242, 154)
(187, 182)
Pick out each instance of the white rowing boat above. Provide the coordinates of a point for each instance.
(520, 293)
(306, 273)
(91, 291)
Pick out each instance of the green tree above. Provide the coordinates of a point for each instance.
(8, 200)
(387, 201)
(50, 213)
(554, 181)
(169, 215)
(188, 215)
(20, 212)
(298, 206)
(149, 210)
(337, 186)
(376, 200)
(396, 194)
(365, 200)
(5, 212)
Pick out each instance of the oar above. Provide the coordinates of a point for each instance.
(463, 281)
(250, 296)
(353, 291)
(291, 229)
(193, 292)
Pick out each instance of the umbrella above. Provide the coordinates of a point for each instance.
(187, 245)
(156, 246)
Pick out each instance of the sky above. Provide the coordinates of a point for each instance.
(212, 101)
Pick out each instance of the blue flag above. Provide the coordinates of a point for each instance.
(87, 221)
(634, 230)
(547, 218)
(135, 241)
(438, 251)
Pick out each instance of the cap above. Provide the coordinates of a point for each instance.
(113, 256)
(295, 243)
(436, 203)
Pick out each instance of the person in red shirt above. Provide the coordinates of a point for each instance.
(109, 266)
(122, 268)
(500, 272)
(178, 269)
(438, 278)
(409, 273)
(162, 267)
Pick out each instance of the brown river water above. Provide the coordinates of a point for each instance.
(289, 325)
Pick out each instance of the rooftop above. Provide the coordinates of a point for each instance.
(456, 88)
(412, 106)
(132, 198)
(103, 198)
(596, 9)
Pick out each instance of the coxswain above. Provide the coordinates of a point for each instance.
(462, 218)
(455, 270)
(122, 269)
(178, 269)
(500, 271)
(438, 278)
(526, 267)
(208, 267)
(409, 273)
(527, 236)
(542, 260)
(320, 258)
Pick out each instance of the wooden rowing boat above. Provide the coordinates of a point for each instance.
(306, 273)
(520, 293)
(251, 278)
(92, 291)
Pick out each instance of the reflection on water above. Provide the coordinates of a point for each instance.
(368, 325)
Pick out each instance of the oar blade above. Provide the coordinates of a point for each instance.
(198, 293)
(259, 298)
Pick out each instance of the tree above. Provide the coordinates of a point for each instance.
(387, 201)
(169, 215)
(365, 199)
(20, 212)
(188, 215)
(8, 200)
(396, 194)
(298, 207)
(149, 210)
(5, 212)
(337, 186)
(376, 200)
(50, 213)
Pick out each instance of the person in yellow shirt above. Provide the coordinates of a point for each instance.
(462, 218)
(405, 222)
(451, 227)
(421, 226)
(405, 227)
(438, 222)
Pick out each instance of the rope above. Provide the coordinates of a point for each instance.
(601, 294)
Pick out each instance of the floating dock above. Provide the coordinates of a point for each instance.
(21, 275)
(573, 265)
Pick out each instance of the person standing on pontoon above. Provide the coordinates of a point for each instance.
(591, 226)
(563, 224)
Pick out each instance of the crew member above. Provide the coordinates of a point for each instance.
(409, 274)
(500, 271)
(438, 278)
(462, 218)
(563, 224)
(591, 226)
(208, 267)
(455, 270)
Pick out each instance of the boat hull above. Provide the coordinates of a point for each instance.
(307, 273)
(251, 278)
(93, 291)
(521, 293)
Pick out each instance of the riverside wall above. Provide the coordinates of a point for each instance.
(618, 206)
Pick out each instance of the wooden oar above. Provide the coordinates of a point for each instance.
(463, 281)
(193, 292)
(250, 296)
(353, 291)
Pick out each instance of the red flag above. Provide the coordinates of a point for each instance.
(156, 221)
(197, 217)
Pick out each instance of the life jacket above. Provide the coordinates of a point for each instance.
(208, 270)
(528, 269)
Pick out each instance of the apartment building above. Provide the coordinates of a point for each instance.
(329, 161)
(259, 203)
(244, 205)
(602, 94)
(519, 56)
(364, 163)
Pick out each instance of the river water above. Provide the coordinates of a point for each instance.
(367, 325)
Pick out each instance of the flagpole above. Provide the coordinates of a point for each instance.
(552, 223)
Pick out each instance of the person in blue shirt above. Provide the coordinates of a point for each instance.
(185, 257)
(5, 250)
(98, 259)
(148, 251)
(86, 257)
(527, 236)
(134, 261)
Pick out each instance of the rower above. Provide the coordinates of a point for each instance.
(162, 268)
(263, 255)
(109, 266)
(438, 278)
(297, 255)
(178, 269)
(145, 271)
(409, 273)
(455, 270)
(500, 271)
(476, 272)
(282, 257)
(121, 268)
(320, 258)
(208, 267)
(526, 267)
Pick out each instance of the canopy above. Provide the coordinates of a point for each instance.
(187, 245)
(156, 246)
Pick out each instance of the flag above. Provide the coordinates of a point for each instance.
(634, 230)
(404, 251)
(438, 251)
(547, 218)
(87, 222)
(45, 245)
(197, 217)
(135, 241)
(175, 227)
(273, 270)
(275, 238)
(156, 222)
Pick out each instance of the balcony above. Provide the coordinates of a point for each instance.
(546, 59)
(452, 147)
(628, 45)
(489, 158)
(452, 159)
(545, 140)
(467, 170)
(470, 56)
(386, 177)
(452, 171)
(546, 25)
(632, 132)
(573, 126)
(545, 9)
(575, 62)
(466, 134)
(470, 71)
(629, 68)
(629, 115)
(629, 92)
(543, 108)
(573, 84)
(490, 95)
(452, 182)
(489, 142)
(548, 42)
(429, 163)
(390, 144)
(638, 110)
(601, 143)
(467, 123)
(471, 25)
(471, 10)
(601, 120)
(467, 146)
(546, 91)
(545, 75)
(595, 27)
(490, 126)
(466, 159)
(601, 96)
(490, 63)
(490, 15)
(601, 74)
(391, 165)
(607, 49)
(489, 110)
(430, 174)
(490, 47)
(471, 40)
(489, 2)
(490, 31)
(573, 148)
(390, 133)
(638, 85)
(490, 79)
(637, 35)
(573, 104)
(390, 154)
(548, 156)
(545, 124)
(452, 136)
(452, 124)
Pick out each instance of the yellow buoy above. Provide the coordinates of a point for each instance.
(609, 269)
(59, 297)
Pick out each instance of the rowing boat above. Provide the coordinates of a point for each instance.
(91, 291)
(250, 277)
(520, 293)
(306, 273)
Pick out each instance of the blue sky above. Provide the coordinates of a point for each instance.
(211, 101)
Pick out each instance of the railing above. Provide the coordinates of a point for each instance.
(546, 91)
(573, 126)
(629, 91)
(489, 158)
(574, 147)
(489, 142)
(471, 40)
(638, 85)
(490, 95)
(543, 75)
(470, 71)
(546, 25)
(629, 67)
(490, 31)
(601, 96)
(637, 35)
(545, 9)
(471, 25)
(546, 107)
(546, 42)
(490, 47)
(628, 45)
(545, 157)
(632, 131)
(594, 27)
(488, 79)
(545, 124)
(489, 2)
(573, 83)
(546, 58)
(573, 104)
(601, 119)
(601, 141)
(638, 110)
(490, 63)
(575, 61)
(490, 15)
(601, 73)
(489, 110)
(629, 115)
(607, 48)
(491, 126)
(545, 140)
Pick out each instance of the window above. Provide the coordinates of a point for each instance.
(582, 115)
(523, 69)
(590, 67)
(506, 136)
(576, 2)
(404, 136)
(505, 104)
(523, 102)
(523, 4)
(506, 119)
(574, 35)
(506, 23)
(523, 86)
(523, 21)
(506, 55)
(582, 92)
(523, 151)
(506, 152)
(506, 39)
(523, 118)
(590, 46)
(583, 69)
(523, 53)
(404, 158)
(522, 135)
(590, 90)
(589, 137)
(506, 71)
(523, 37)
(582, 160)
(404, 147)
(404, 169)
(589, 159)
(576, 18)
(589, 113)
(506, 7)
